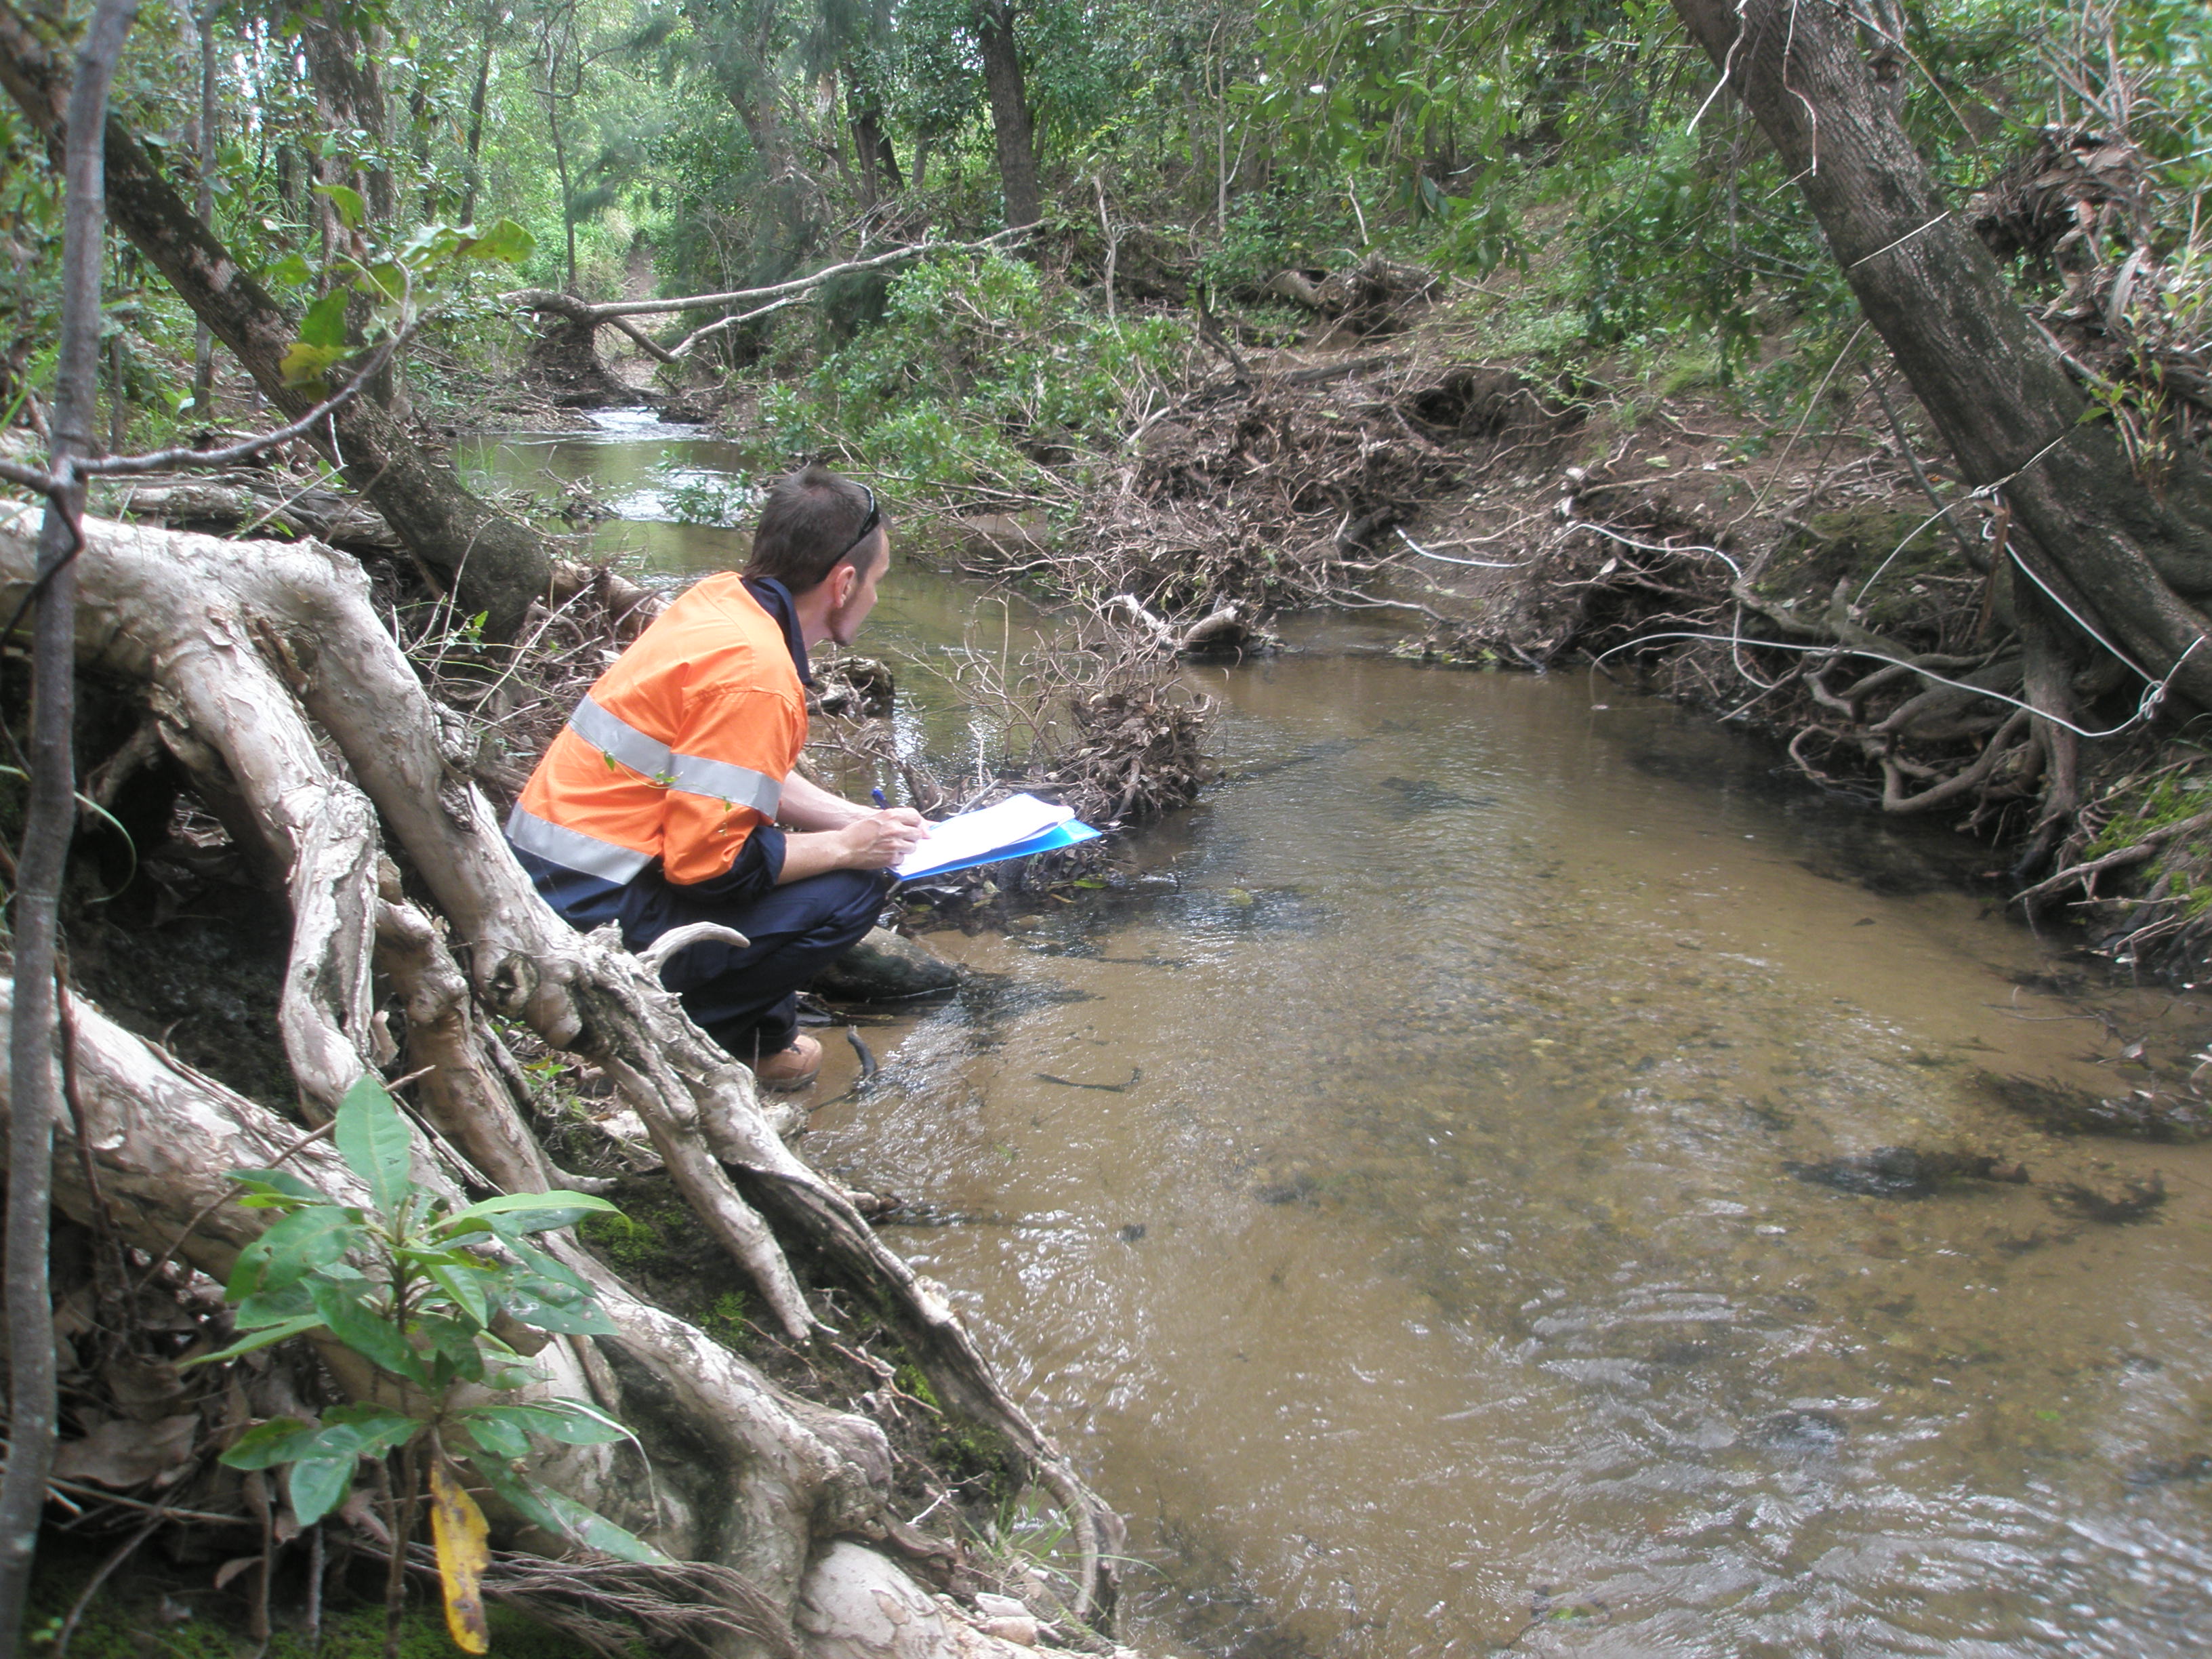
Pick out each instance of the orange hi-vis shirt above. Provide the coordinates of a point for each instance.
(678, 752)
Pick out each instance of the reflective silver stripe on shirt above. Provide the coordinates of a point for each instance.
(693, 774)
(572, 849)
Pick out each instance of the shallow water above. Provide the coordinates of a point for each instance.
(1386, 1197)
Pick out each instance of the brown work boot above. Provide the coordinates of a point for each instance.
(791, 1068)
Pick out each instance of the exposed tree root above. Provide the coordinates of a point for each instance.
(239, 643)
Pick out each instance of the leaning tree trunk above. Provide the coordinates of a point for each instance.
(241, 642)
(498, 564)
(2139, 562)
(1011, 124)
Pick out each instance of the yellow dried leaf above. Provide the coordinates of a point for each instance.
(457, 1526)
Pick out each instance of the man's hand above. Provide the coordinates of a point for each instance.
(866, 840)
(881, 838)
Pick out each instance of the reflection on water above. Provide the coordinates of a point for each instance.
(1441, 1281)
(1389, 1195)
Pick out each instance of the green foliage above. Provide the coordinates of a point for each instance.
(974, 358)
(412, 1286)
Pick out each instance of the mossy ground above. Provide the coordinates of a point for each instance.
(155, 1609)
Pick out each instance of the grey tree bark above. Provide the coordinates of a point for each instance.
(49, 816)
(2137, 563)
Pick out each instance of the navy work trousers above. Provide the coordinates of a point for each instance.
(747, 1000)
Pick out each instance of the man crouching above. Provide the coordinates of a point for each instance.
(659, 803)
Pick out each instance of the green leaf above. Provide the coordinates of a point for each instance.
(455, 1342)
(528, 1212)
(304, 365)
(289, 269)
(573, 1423)
(279, 1440)
(375, 1142)
(264, 1185)
(291, 1249)
(596, 1532)
(543, 1265)
(273, 1307)
(325, 323)
(503, 239)
(318, 1485)
(492, 1433)
(370, 1430)
(365, 1330)
(547, 1307)
(260, 1339)
(351, 207)
(383, 281)
(565, 1516)
(465, 1286)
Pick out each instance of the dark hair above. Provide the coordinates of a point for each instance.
(812, 521)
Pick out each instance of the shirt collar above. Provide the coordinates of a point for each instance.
(776, 598)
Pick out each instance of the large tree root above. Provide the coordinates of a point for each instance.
(240, 643)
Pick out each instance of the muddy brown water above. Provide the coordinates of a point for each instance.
(1387, 1195)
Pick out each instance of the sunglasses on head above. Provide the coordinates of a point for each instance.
(867, 525)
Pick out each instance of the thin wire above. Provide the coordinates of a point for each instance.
(1445, 558)
(2082, 621)
(1980, 492)
(2153, 694)
(1901, 241)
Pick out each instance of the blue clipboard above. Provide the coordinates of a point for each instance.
(1072, 833)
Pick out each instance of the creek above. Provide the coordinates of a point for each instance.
(1394, 1193)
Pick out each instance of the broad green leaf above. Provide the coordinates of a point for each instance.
(305, 365)
(279, 1440)
(260, 1339)
(564, 1517)
(503, 239)
(289, 269)
(575, 1424)
(264, 1184)
(492, 1433)
(273, 1307)
(455, 1342)
(383, 281)
(376, 1430)
(570, 1316)
(465, 1286)
(529, 1213)
(365, 1330)
(291, 1248)
(596, 1532)
(351, 207)
(543, 1265)
(325, 323)
(375, 1142)
(318, 1485)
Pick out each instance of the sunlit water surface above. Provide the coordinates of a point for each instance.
(1386, 1197)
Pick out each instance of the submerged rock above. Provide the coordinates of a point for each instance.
(887, 967)
(1906, 1171)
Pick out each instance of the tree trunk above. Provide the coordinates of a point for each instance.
(48, 820)
(1010, 122)
(471, 171)
(498, 564)
(2135, 562)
